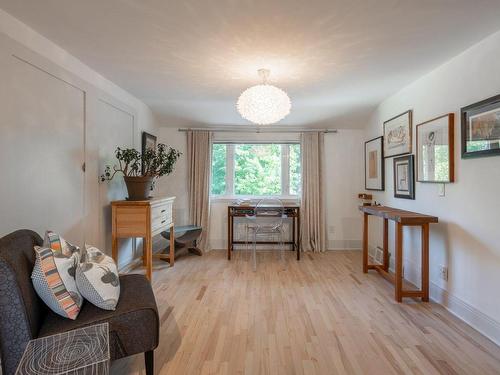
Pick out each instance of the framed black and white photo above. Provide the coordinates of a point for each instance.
(397, 135)
(148, 142)
(404, 178)
(481, 128)
(374, 164)
(435, 151)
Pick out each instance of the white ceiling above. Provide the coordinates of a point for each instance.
(190, 59)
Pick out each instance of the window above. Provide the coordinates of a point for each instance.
(255, 169)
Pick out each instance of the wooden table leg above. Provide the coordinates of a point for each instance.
(172, 246)
(229, 239)
(425, 262)
(398, 284)
(148, 249)
(386, 245)
(114, 248)
(144, 252)
(365, 243)
(299, 239)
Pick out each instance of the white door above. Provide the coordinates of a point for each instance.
(41, 149)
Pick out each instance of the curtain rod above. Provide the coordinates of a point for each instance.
(260, 130)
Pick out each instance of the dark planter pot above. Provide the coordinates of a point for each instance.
(139, 188)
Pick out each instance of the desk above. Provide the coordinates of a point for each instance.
(143, 219)
(401, 218)
(290, 210)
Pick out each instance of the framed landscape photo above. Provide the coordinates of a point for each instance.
(481, 128)
(404, 178)
(148, 142)
(435, 150)
(374, 164)
(397, 135)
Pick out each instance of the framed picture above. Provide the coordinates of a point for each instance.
(481, 128)
(148, 142)
(397, 135)
(404, 178)
(435, 150)
(374, 164)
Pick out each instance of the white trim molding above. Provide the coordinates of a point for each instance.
(469, 314)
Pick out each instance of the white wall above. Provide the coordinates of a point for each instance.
(51, 100)
(467, 238)
(343, 181)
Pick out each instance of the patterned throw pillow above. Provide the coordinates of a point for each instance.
(54, 280)
(97, 278)
(57, 243)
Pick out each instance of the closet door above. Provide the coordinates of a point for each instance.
(42, 122)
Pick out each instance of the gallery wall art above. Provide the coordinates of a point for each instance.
(374, 164)
(435, 150)
(397, 135)
(404, 178)
(481, 128)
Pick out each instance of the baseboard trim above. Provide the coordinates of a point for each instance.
(478, 320)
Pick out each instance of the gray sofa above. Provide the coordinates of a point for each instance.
(133, 326)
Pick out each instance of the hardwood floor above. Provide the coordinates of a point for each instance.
(321, 315)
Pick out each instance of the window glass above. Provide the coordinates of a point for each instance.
(257, 169)
(294, 158)
(219, 169)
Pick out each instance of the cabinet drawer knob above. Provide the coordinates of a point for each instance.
(163, 221)
(163, 210)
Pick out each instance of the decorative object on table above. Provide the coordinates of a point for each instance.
(264, 104)
(481, 128)
(97, 278)
(78, 352)
(148, 143)
(53, 276)
(185, 236)
(140, 170)
(374, 164)
(135, 324)
(397, 135)
(365, 199)
(404, 177)
(435, 150)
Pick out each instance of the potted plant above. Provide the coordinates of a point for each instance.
(140, 170)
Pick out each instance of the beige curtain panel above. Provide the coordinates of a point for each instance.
(199, 164)
(312, 202)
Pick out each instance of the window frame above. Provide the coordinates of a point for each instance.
(230, 164)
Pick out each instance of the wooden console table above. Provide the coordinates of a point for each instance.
(143, 219)
(290, 210)
(401, 218)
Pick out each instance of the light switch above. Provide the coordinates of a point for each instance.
(441, 190)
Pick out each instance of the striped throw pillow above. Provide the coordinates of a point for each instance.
(53, 278)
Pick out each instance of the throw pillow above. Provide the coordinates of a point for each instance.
(54, 281)
(97, 278)
(55, 242)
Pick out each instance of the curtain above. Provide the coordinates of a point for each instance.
(199, 153)
(312, 202)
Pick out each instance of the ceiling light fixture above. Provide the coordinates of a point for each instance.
(264, 104)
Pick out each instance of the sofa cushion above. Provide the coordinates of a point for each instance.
(54, 281)
(133, 326)
(97, 278)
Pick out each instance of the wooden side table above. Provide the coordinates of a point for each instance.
(143, 219)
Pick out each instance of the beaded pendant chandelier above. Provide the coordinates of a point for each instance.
(264, 104)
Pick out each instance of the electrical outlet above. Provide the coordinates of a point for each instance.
(443, 272)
